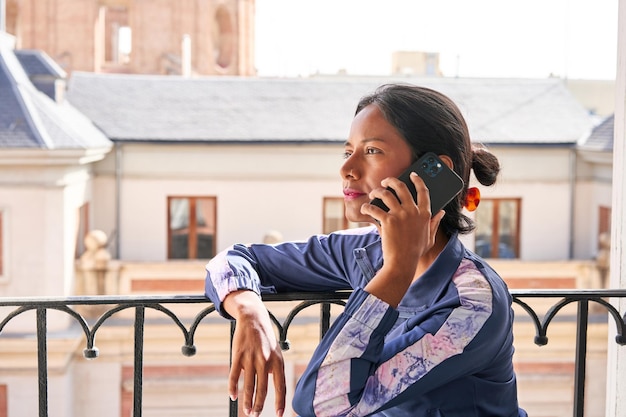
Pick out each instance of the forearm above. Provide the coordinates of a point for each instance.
(244, 304)
(303, 266)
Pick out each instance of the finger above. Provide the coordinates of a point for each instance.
(260, 394)
(386, 195)
(389, 194)
(423, 194)
(249, 379)
(399, 189)
(233, 381)
(373, 211)
(434, 224)
(280, 390)
(436, 219)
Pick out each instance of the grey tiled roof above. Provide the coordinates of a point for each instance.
(41, 70)
(15, 130)
(601, 137)
(168, 108)
(37, 63)
(30, 119)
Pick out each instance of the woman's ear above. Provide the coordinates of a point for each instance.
(447, 160)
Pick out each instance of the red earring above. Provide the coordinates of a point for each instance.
(472, 199)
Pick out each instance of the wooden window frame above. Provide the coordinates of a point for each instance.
(326, 200)
(604, 220)
(345, 223)
(193, 230)
(495, 234)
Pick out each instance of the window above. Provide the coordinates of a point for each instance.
(497, 228)
(117, 36)
(604, 221)
(223, 37)
(334, 216)
(191, 227)
(124, 44)
(603, 256)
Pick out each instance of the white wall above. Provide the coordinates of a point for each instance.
(40, 201)
(97, 387)
(258, 188)
(540, 177)
(36, 263)
(263, 187)
(590, 196)
(593, 190)
(22, 393)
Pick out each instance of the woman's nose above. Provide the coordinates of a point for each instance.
(347, 169)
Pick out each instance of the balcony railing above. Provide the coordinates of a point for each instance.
(581, 298)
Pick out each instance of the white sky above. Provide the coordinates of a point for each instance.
(576, 39)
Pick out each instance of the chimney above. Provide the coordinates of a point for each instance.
(185, 56)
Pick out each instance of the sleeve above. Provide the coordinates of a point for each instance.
(356, 371)
(346, 357)
(323, 263)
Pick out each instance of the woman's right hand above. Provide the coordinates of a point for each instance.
(255, 352)
(407, 232)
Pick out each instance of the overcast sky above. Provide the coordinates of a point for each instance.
(576, 39)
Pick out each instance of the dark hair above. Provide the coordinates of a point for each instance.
(430, 122)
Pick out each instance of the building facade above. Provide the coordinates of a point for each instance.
(206, 37)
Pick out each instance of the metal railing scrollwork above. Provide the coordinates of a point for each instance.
(582, 298)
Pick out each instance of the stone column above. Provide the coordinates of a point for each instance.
(94, 263)
(94, 269)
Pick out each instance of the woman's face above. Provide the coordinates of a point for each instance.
(374, 151)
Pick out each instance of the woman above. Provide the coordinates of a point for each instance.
(427, 330)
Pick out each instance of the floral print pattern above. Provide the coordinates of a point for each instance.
(394, 376)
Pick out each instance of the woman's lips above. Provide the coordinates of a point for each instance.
(351, 194)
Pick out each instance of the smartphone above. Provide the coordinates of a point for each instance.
(443, 183)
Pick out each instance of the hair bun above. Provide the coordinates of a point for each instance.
(485, 165)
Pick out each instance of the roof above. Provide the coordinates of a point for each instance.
(226, 109)
(31, 119)
(37, 63)
(601, 137)
(42, 71)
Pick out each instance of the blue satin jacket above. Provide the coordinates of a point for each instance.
(445, 351)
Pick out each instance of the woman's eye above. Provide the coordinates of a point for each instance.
(372, 151)
(346, 154)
